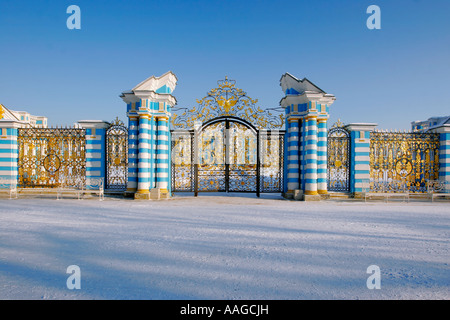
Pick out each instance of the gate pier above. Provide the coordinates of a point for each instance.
(8, 150)
(95, 147)
(360, 155)
(149, 111)
(307, 108)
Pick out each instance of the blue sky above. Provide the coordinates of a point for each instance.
(390, 76)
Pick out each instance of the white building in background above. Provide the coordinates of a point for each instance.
(431, 123)
(23, 116)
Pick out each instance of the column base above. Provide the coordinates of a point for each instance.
(288, 194)
(312, 197)
(322, 191)
(142, 195)
(157, 194)
(306, 195)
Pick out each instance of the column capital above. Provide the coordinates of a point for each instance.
(162, 118)
(293, 119)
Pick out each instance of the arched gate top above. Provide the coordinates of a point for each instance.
(227, 101)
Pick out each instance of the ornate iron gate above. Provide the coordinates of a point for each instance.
(228, 157)
(183, 160)
(271, 144)
(228, 144)
(338, 146)
(403, 161)
(116, 156)
(49, 157)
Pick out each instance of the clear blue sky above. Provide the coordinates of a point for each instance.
(390, 76)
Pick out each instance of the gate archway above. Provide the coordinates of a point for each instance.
(116, 156)
(228, 158)
(338, 148)
(227, 144)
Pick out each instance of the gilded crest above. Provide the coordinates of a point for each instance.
(227, 100)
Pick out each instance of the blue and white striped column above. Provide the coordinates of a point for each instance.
(162, 154)
(9, 153)
(153, 145)
(311, 156)
(293, 161)
(309, 104)
(144, 158)
(359, 155)
(322, 156)
(133, 142)
(150, 101)
(95, 148)
(444, 152)
(302, 153)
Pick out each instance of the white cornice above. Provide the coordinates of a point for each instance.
(445, 128)
(14, 124)
(154, 83)
(288, 81)
(306, 97)
(146, 90)
(361, 126)
(98, 124)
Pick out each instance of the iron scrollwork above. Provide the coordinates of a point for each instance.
(50, 157)
(227, 100)
(226, 143)
(338, 147)
(116, 156)
(403, 161)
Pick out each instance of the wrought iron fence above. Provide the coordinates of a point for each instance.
(116, 156)
(49, 157)
(338, 146)
(402, 161)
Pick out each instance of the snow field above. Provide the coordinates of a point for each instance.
(219, 247)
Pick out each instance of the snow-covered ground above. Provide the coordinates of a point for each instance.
(223, 247)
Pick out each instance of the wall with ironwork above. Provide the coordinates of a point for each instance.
(226, 143)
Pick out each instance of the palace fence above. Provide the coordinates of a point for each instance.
(227, 144)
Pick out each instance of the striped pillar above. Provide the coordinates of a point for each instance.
(162, 154)
(133, 142)
(9, 152)
(359, 155)
(293, 161)
(305, 101)
(311, 156)
(322, 156)
(444, 152)
(152, 150)
(151, 101)
(144, 161)
(95, 148)
(302, 153)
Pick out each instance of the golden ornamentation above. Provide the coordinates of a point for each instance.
(338, 148)
(403, 161)
(51, 157)
(2, 112)
(116, 156)
(227, 162)
(227, 100)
